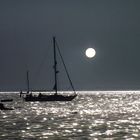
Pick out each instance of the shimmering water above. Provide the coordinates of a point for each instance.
(97, 115)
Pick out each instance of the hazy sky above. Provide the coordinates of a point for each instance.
(112, 27)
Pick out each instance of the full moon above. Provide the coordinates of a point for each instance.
(90, 52)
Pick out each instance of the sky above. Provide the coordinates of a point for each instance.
(111, 27)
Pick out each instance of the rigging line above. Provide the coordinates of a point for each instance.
(38, 71)
(65, 67)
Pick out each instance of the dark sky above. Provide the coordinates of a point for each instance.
(112, 27)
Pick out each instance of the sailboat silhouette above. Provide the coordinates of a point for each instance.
(55, 96)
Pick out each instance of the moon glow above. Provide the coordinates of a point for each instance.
(90, 52)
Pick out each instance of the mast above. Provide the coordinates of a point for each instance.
(55, 65)
(28, 87)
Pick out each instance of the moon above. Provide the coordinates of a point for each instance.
(90, 52)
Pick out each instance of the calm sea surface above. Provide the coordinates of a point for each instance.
(113, 115)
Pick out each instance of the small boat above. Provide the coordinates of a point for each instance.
(7, 100)
(55, 96)
(2, 107)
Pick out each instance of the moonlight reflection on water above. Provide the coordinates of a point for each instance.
(98, 115)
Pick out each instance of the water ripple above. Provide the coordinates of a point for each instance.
(103, 115)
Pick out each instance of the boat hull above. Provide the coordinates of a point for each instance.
(44, 98)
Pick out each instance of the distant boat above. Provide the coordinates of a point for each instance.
(2, 107)
(55, 96)
(6, 100)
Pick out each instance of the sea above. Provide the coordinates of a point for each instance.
(92, 115)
